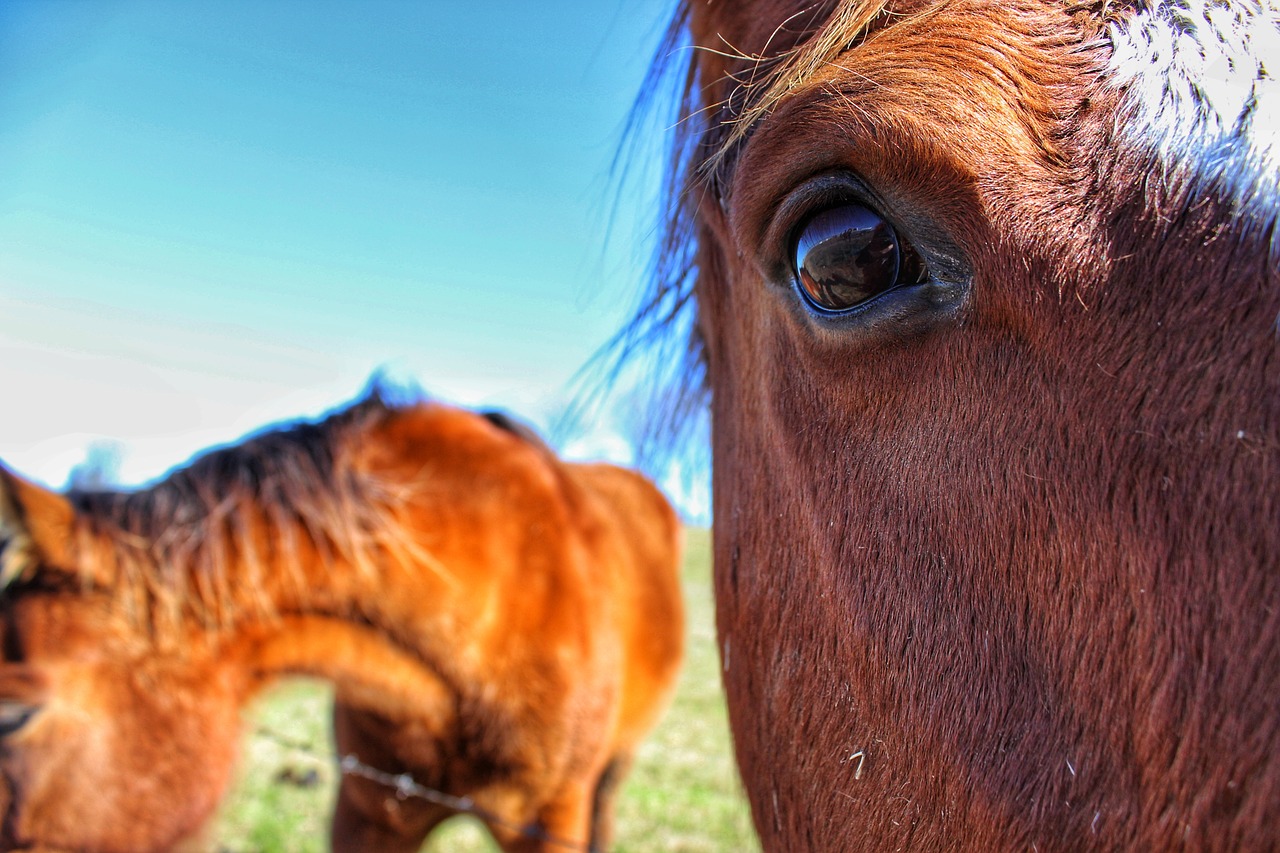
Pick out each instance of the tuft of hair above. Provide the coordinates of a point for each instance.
(393, 388)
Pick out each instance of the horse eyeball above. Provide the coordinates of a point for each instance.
(845, 256)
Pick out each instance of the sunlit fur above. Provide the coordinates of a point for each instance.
(1007, 578)
(498, 624)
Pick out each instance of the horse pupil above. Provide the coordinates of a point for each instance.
(845, 256)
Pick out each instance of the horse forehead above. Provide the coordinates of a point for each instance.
(1200, 84)
(1199, 79)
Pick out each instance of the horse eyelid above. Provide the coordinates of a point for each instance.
(809, 198)
(934, 252)
(814, 195)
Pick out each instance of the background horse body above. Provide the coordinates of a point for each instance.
(498, 624)
(987, 299)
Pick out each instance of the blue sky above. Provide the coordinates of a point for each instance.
(216, 215)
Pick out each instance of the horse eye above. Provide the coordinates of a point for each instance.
(14, 715)
(847, 255)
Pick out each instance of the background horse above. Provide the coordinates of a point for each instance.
(500, 625)
(986, 301)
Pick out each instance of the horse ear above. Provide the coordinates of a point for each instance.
(35, 527)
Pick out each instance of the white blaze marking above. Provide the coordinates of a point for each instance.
(1202, 86)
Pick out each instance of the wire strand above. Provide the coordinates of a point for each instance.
(405, 786)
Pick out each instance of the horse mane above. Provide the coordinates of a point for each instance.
(662, 330)
(203, 540)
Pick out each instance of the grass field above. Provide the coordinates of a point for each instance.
(682, 795)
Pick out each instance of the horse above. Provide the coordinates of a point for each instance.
(985, 299)
(502, 628)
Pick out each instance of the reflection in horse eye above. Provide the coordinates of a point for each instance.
(845, 256)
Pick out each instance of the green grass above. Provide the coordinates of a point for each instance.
(682, 795)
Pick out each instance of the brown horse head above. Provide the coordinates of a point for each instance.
(987, 299)
(104, 744)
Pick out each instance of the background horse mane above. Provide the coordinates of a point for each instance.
(202, 540)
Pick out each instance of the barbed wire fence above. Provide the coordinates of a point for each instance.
(405, 787)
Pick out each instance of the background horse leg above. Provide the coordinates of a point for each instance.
(603, 806)
(368, 815)
(561, 825)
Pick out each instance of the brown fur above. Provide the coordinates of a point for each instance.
(1008, 579)
(499, 624)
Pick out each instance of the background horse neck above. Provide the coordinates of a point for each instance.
(366, 667)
